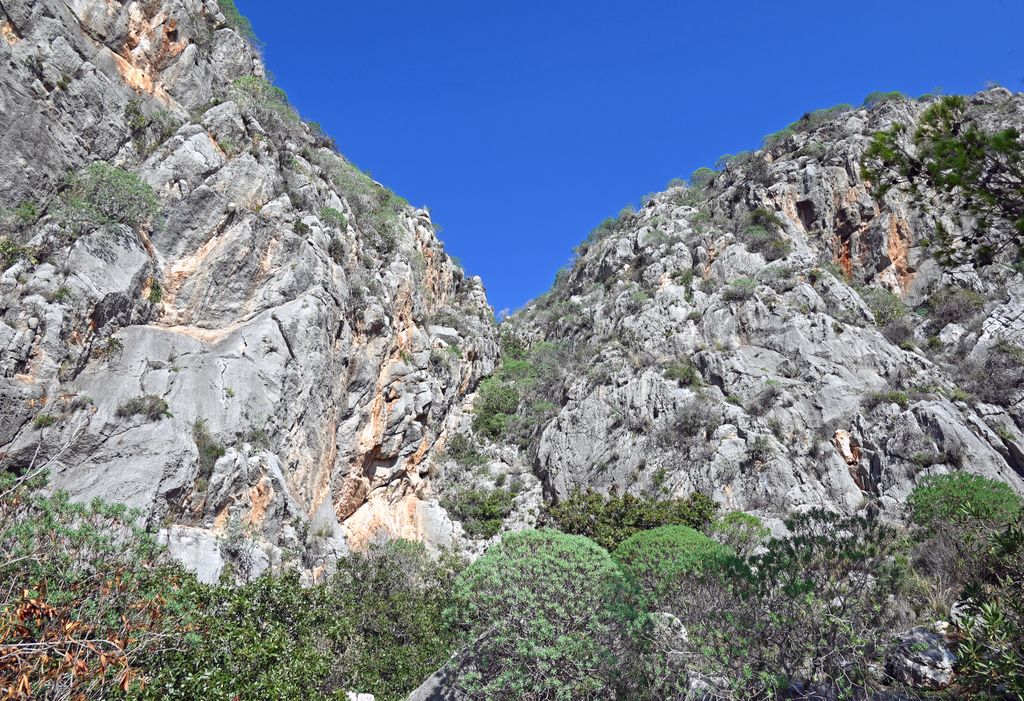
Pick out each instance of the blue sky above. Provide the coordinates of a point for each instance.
(524, 124)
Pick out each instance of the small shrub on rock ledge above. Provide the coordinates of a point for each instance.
(149, 406)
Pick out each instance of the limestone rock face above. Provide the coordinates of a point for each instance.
(304, 326)
(709, 354)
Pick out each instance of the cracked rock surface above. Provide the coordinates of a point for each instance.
(309, 362)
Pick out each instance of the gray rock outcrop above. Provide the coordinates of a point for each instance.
(734, 339)
(299, 329)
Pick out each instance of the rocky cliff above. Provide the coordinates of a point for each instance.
(206, 312)
(210, 315)
(779, 337)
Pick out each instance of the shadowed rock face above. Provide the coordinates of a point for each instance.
(311, 365)
(787, 352)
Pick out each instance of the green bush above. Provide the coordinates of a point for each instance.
(954, 305)
(702, 178)
(104, 195)
(739, 290)
(741, 532)
(85, 595)
(377, 625)
(400, 635)
(884, 305)
(481, 513)
(879, 97)
(990, 653)
(236, 20)
(494, 408)
(660, 560)
(815, 609)
(537, 612)
(891, 396)
(940, 499)
(210, 451)
(150, 406)
(462, 450)
(684, 373)
(268, 102)
(44, 421)
(609, 520)
(333, 217)
(11, 253)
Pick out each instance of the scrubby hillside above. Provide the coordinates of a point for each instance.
(775, 335)
(206, 312)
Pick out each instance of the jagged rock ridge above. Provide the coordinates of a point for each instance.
(722, 339)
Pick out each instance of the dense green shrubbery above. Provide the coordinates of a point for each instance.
(103, 195)
(539, 612)
(943, 499)
(609, 520)
(660, 560)
(523, 393)
(91, 608)
(377, 625)
(481, 513)
(762, 234)
(84, 595)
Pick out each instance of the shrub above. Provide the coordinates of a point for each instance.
(659, 560)
(462, 450)
(941, 499)
(494, 408)
(236, 20)
(814, 611)
(399, 635)
(103, 195)
(149, 406)
(886, 307)
(44, 421)
(878, 98)
(210, 451)
(702, 177)
(609, 520)
(84, 595)
(481, 513)
(267, 101)
(954, 305)
(997, 376)
(694, 421)
(684, 373)
(11, 253)
(990, 654)
(739, 290)
(741, 532)
(333, 217)
(537, 608)
(892, 396)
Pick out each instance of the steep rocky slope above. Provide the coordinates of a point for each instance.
(266, 364)
(747, 338)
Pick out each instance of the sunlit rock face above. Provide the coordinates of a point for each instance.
(312, 341)
(703, 354)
